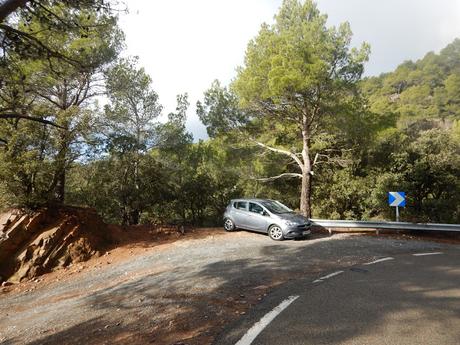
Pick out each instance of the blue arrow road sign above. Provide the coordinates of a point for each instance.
(397, 199)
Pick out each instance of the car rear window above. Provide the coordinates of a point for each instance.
(240, 205)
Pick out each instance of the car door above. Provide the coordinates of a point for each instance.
(240, 214)
(257, 217)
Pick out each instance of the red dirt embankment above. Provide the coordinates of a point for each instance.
(37, 242)
(34, 243)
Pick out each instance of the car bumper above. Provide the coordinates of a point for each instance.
(296, 232)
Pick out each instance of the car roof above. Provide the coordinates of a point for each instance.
(251, 199)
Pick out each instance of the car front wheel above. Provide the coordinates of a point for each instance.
(275, 233)
(229, 225)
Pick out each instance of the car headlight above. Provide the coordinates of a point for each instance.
(289, 223)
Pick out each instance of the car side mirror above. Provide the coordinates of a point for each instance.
(265, 213)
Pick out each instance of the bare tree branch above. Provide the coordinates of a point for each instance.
(284, 152)
(29, 118)
(330, 160)
(339, 150)
(315, 160)
(40, 44)
(51, 13)
(49, 99)
(266, 179)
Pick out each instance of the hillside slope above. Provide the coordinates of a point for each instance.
(38, 242)
(426, 89)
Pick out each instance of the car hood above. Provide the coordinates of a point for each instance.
(293, 217)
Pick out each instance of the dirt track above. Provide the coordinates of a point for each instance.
(185, 291)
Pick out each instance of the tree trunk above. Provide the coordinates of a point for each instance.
(305, 195)
(303, 163)
(124, 216)
(59, 191)
(134, 217)
(136, 204)
(59, 178)
(61, 161)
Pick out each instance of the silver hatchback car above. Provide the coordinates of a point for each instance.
(267, 216)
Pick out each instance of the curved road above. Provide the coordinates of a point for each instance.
(223, 283)
(405, 299)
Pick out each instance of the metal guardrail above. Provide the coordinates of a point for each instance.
(352, 224)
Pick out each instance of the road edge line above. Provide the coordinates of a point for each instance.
(426, 254)
(379, 260)
(328, 276)
(260, 325)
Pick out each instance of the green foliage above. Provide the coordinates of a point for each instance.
(130, 124)
(300, 76)
(425, 164)
(219, 111)
(203, 177)
(299, 61)
(51, 89)
(428, 88)
(33, 31)
(299, 92)
(108, 186)
(393, 132)
(430, 170)
(133, 107)
(25, 171)
(342, 195)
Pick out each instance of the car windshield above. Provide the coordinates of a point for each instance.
(276, 207)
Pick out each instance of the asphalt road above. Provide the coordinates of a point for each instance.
(408, 299)
(199, 291)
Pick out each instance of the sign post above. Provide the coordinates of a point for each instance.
(397, 199)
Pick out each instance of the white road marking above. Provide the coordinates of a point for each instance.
(319, 280)
(259, 326)
(424, 254)
(379, 260)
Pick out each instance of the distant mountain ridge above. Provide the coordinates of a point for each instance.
(426, 89)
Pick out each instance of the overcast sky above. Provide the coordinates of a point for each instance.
(184, 45)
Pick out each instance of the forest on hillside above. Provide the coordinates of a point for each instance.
(299, 123)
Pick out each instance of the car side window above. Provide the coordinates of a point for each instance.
(241, 205)
(255, 208)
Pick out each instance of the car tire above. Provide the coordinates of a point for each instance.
(275, 233)
(229, 225)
